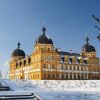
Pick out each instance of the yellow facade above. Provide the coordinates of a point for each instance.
(48, 63)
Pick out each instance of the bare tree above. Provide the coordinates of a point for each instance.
(97, 27)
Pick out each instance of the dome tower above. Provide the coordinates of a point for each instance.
(18, 53)
(43, 42)
(88, 50)
(43, 38)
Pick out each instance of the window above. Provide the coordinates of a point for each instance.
(48, 49)
(61, 66)
(66, 67)
(29, 60)
(41, 49)
(70, 67)
(85, 61)
(44, 75)
(24, 62)
(62, 76)
(70, 60)
(48, 76)
(78, 61)
(78, 76)
(77, 67)
(44, 66)
(74, 76)
(67, 76)
(70, 76)
(16, 64)
(62, 60)
(20, 63)
(73, 67)
(57, 76)
(53, 76)
(81, 68)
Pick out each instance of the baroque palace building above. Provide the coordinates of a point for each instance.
(48, 63)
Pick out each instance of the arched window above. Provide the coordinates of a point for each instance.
(61, 66)
(74, 76)
(70, 76)
(66, 76)
(78, 61)
(16, 64)
(73, 67)
(29, 60)
(48, 49)
(77, 67)
(78, 76)
(44, 66)
(49, 76)
(62, 59)
(53, 76)
(44, 75)
(70, 60)
(85, 61)
(70, 67)
(24, 62)
(20, 63)
(41, 49)
(62, 76)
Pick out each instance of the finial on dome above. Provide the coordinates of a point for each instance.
(43, 27)
(87, 39)
(44, 30)
(18, 45)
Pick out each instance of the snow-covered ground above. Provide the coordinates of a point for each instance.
(58, 90)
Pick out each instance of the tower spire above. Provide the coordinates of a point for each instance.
(87, 40)
(43, 27)
(18, 45)
(43, 30)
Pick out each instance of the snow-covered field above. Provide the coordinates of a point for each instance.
(58, 90)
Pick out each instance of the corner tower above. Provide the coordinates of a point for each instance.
(17, 54)
(88, 50)
(42, 55)
(43, 42)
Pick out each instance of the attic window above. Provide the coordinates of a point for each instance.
(16, 64)
(78, 61)
(24, 62)
(20, 63)
(70, 60)
(85, 61)
(29, 60)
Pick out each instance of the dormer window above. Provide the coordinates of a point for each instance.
(78, 61)
(24, 62)
(62, 60)
(29, 60)
(85, 61)
(16, 64)
(70, 60)
(20, 63)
